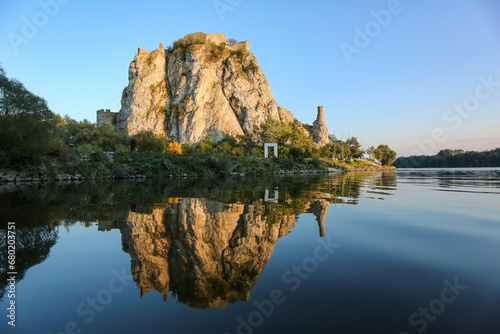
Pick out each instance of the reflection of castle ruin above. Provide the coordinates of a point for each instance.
(208, 253)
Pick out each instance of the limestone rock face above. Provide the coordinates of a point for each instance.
(202, 90)
(144, 98)
(319, 130)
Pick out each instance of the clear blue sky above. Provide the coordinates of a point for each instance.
(397, 87)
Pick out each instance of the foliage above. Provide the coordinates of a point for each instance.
(174, 147)
(27, 126)
(452, 158)
(187, 148)
(15, 99)
(206, 147)
(85, 135)
(316, 163)
(186, 42)
(296, 153)
(25, 140)
(215, 52)
(147, 141)
(232, 41)
(240, 54)
(286, 135)
(385, 155)
(153, 87)
(370, 152)
(354, 148)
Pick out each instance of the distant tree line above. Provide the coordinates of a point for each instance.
(452, 158)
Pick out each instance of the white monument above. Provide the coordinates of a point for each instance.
(267, 145)
(269, 199)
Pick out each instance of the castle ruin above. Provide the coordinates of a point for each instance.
(106, 116)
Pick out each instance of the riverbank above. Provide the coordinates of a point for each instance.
(80, 166)
(357, 165)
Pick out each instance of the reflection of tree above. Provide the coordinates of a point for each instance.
(32, 247)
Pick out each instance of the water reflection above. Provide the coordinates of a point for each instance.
(205, 241)
(474, 180)
(209, 253)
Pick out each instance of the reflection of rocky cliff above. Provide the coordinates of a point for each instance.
(208, 253)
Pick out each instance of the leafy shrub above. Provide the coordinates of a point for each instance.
(296, 153)
(186, 42)
(222, 165)
(89, 148)
(25, 139)
(240, 54)
(206, 147)
(186, 148)
(287, 163)
(316, 162)
(174, 147)
(120, 172)
(215, 52)
(147, 141)
(121, 148)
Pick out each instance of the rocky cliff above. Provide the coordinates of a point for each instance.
(199, 88)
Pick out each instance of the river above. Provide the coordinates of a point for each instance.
(407, 251)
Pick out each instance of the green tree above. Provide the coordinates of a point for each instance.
(385, 155)
(15, 99)
(27, 125)
(354, 147)
(206, 146)
(286, 135)
(147, 141)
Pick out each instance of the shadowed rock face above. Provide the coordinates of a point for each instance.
(208, 253)
(206, 90)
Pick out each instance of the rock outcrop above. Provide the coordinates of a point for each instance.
(319, 131)
(200, 88)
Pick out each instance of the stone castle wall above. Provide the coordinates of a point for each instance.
(106, 116)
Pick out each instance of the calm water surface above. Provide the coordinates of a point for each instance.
(412, 251)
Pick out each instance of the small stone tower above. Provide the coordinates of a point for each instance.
(319, 129)
(104, 116)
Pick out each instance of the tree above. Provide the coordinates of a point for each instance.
(27, 125)
(370, 152)
(174, 147)
(354, 147)
(232, 41)
(15, 99)
(147, 141)
(385, 155)
(286, 135)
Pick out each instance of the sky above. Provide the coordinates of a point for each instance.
(417, 75)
